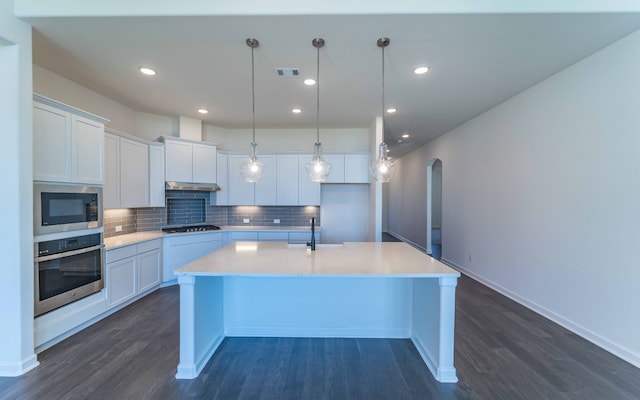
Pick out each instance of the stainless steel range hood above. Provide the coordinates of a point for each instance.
(201, 187)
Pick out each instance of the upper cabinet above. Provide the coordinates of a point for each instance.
(188, 161)
(348, 168)
(68, 143)
(134, 172)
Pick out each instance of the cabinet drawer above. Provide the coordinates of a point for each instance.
(273, 236)
(235, 236)
(301, 237)
(149, 245)
(120, 253)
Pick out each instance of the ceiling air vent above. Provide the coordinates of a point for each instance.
(288, 72)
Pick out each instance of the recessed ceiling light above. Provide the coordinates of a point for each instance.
(388, 150)
(406, 135)
(399, 140)
(296, 111)
(391, 110)
(147, 71)
(421, 70)
(203, 111)
(309, 82)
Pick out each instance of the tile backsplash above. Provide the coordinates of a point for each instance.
(190, 207)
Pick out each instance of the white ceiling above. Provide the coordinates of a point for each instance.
(477, 61)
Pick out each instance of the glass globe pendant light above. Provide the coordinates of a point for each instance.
(251, 169)
(382, 168)
(317, 168)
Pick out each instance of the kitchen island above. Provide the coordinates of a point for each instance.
(369, 289)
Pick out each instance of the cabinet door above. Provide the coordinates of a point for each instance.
(149, 270)
(337, 168)
(178, 156)
(308, 192)
(356, 168)
(111, 192)
(181, 250)
(156, 176)
(266, 187)
(204, 163)
(241, 193)
(120, 281)
(87, 151)
(287, 184)
(222, 196)
(51, 144)
(134, 174)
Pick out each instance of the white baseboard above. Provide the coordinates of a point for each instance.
(191, 371)
(444, 375)
(252, 331)
(404, 239)
(598, 340)
(19, 368)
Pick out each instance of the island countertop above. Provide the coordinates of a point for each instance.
(358, 259)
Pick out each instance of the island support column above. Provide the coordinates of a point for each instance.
(434, 307)
(201, 322)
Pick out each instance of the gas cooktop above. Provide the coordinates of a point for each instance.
(190, 228)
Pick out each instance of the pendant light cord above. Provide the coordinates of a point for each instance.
(253, 96)
(318, 94)
(383, 94)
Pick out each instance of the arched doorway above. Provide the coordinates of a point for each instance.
(434, 208)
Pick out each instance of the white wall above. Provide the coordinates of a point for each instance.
(273, 140)
(16, 204)
(54, 86)
(543, 193)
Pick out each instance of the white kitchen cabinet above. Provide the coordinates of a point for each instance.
(240, 193)
(111, 190)
(337, 168)
(156, 175)
(273, 236)
(187, 161)
(348, 168)
(127, 171)
(302, 236)
(356, 168)
(179, 250)
(222, 195)
(120, 279)
(132, 270)
(134, 174)
(287, 180)
(265, 188)
(68, 143)
(204, 163)
(149, 263)
(308, 191)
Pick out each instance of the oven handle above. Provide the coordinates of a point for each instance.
(68, 253)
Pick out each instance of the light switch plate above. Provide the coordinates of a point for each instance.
(246, 220)
(276, 221)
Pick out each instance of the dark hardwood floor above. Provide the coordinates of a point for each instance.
(502, 351)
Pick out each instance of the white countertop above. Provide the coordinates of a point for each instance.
(361, 259)
(113, 242)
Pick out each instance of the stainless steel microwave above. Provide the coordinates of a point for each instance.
(66, 207)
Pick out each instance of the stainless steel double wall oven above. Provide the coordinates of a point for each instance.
(68, 248)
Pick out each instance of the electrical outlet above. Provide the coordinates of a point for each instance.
(469, 257)
(246, 220)
(276, 221)
(118, 228)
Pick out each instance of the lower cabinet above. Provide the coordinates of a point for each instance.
(131, 271)
(182, 249)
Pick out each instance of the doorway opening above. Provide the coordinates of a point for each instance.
(434, 208)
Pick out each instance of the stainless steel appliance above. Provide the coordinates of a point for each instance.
(66, 207)
(67, 270)
(190, 228)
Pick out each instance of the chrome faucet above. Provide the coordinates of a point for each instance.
(312, 243)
